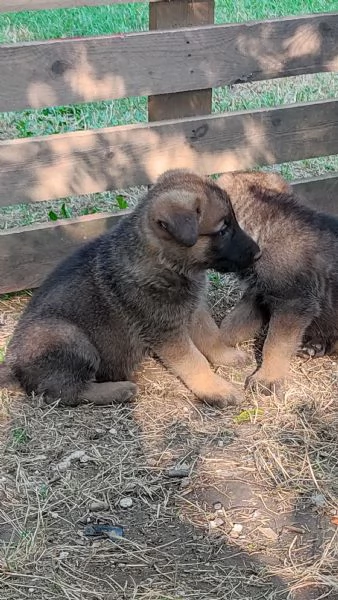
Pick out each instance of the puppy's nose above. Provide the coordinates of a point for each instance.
(257, 255)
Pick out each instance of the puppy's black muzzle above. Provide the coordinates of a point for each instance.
(236, 253)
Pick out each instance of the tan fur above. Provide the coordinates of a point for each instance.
(293, 288)
(137, 289)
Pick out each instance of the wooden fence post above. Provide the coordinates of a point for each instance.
(170, 15)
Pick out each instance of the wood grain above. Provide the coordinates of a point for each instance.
(172, 15)
(28, 254)
(57, 166)
(58, 72)
(320, 193)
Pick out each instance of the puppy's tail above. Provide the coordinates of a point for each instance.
(7, 379)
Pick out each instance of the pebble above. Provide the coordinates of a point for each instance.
(318, 500)
(218, 506)
(216, 523)
(269, 533)
(63, 555)
(78, 455)
(126, 502)
(113, 431)
(98, 505)
(54, 515)
(236, 530)
(220, 444)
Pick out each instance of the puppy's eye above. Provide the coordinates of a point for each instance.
(223, 231)
(163, 225)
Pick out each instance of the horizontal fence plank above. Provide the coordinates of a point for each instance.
(320, 193)
(27, 254)
(76, 163)
(19, 5)
(56, 72)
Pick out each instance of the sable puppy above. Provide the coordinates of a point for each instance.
(294, 285)
(138, 288)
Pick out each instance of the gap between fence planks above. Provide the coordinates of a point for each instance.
(51, 167)
(27, 254)
(56, 72)
(172, 15)
(20, 5)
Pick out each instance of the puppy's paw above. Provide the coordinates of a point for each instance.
(221, 394)
(312, 349)
(110, 392)
(230, 357)
(260, 384)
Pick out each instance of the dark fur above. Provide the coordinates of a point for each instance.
(294, 286)
(130, 291)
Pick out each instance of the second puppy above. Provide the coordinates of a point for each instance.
(294, 286)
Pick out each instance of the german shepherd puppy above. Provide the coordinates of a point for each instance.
(294, 286)
(138, 288)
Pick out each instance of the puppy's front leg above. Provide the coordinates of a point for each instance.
(243, 322)
(207, 338)
(286, 329)
(183, 358)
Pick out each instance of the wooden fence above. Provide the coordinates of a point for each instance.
(176, 65)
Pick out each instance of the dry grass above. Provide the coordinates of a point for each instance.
(251, 520)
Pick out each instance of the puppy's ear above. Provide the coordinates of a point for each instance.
(275, 182)
(182, 226)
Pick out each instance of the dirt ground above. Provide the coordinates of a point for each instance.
(240, 504)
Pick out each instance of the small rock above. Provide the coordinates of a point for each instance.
(126, 502)
(220, 444)
(98, 505)
(269, 533)
(63, 555)
(216, 523)
(113, 431)
(318, 500)
(110, 531)
(54, 515)
(236, 530)
(181, 471)
(218, 506)
(65, 464)
(31, 590)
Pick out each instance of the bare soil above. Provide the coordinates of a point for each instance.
(238, 504)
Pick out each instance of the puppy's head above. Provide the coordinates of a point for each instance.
(190, 221)
(239, 185)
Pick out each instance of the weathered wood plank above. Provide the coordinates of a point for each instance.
(18, 5)
(51, 167)
(172, 15)
(57, 72)
(28, 254)
(320, 193)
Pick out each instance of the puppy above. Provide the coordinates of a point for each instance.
(294, 286)
(139, 288)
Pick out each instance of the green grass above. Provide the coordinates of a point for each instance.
(92, 21)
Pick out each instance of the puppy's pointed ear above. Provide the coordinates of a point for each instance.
(182, 226)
